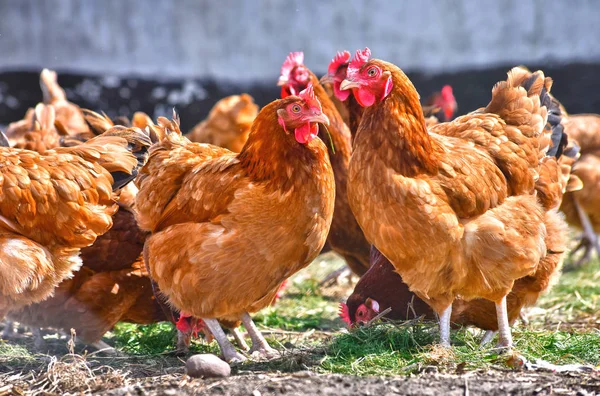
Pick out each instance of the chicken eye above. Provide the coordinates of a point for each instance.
(296, 108)
(372, 72)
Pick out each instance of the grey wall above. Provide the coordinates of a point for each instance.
(245, 40)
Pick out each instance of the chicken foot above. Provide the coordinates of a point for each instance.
(504, 334)
(227, 348)
(259, 344)
(105, 349)
(444, 319)
(588, 233)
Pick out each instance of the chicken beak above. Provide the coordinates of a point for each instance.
(349, 84)
(282, 81)
(320, 118)
(327, 79)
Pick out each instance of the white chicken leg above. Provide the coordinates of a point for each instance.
(504, 334)
(445, 327)
(259, 344)
(227, 348)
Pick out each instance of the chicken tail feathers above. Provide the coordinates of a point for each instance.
(558, 137)
(98, 123)
(524, 102)
(121, 151)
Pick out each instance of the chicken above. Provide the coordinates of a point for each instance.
(93, 302)
(215, 215)
(42, 135)
(55, 204)
(382, 287)
(444, 101)
(68, 115)
(439, 106)
(228, 123)
(112, 285)
(582, 207)
(454, 209)
(15, 132)
(345, 236)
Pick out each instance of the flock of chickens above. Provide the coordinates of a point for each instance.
(104, 221)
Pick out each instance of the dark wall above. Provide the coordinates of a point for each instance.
(575, 85)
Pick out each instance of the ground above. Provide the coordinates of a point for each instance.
(319, 356)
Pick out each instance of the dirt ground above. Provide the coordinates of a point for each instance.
(308, 383)
(165, 375)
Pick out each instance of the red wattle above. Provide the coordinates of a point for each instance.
(306, 132)
(341, 95)
(364, 97)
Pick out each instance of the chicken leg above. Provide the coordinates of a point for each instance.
(227, 348)
(505, 336)
(588, 232)
(259, 344)
(487, 338)
(239, 339)
(38, 339)
(9, 329)
(445, 326)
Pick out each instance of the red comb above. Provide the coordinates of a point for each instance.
(308, 94)
(360, 58)
(447, 91)
(341, 58)
(293, 59)
(345, 314)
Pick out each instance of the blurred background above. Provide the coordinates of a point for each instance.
(121, 56)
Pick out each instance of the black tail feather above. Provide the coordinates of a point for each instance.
(3, 140)
(121, 179)
(559, 138)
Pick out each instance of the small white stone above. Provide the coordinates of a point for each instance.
(207, 366)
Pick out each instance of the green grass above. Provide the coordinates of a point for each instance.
(576, 294)
(305, 324)
(388, 349)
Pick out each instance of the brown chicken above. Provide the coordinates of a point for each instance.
(382, 287)
(582, 207)
(55, 204)
(345, 236)
(440, 106)
(228, 123)
(112, 285)
(42, 135)
(68, 115)
(471, 223)
(215, 215)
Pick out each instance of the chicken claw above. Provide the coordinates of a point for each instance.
(260, 346)
(227, 348)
